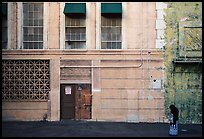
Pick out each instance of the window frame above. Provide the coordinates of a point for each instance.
(20, 25)
(88, 28)
(70, 27)
(111, 33)
(33, 27)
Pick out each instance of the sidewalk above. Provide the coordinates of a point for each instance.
(72, 128)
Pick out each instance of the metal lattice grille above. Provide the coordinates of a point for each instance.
(25, 80)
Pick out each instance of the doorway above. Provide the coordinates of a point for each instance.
(75, 101)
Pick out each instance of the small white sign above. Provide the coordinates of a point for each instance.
(68, 90)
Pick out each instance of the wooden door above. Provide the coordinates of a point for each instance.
(83, 101)
(67, 101)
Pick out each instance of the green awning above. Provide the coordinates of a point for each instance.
(75, 8)
(4, 8)
(111, 8)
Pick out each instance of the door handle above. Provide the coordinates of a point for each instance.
(84, 106)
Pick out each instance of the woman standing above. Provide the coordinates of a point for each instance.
(173, 131)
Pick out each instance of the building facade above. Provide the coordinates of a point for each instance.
(92, 60)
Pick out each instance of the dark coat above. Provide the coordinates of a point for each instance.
(175, 113)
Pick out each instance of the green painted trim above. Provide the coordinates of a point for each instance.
(75, 8)
(4, 8)
(111, 8)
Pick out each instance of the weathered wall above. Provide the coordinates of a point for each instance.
(140, 25)
(53, 25)
(130, 94)
(118, 94)
(28, 111)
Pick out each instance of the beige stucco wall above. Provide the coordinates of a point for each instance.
(27, 111)
(54, 25)
(140, 25)
(128, 94)
(118, 94)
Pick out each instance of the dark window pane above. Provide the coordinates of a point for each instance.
(73, 37)
(109, 37)
(36, 7)
(108, 30)
(104, 37)
(36, 15)
(113, 37)
(25, 38)
(4, 34)
(31, 15)
(73, 45)
(41, 31)
(103, 21)
(40, 45)
(30, 37)
(109, 45)
(78, 36)
(40, 22)
(118, 37)
(4, 45)
(30, 22)
(36, 30)
(36, 23)
(67, 45)
(114, 45)
(35, 37)
(108, 21)
(82, 22)
(119, 45)
(31, 8)
(83, 45)
(77, 22)
(35, 45)
(25, 22)
(103, 45)
(73, 22)
(118, 22)
(113, 22)
(25, 45)
(83, 37)
(67, 37)
(40, 38)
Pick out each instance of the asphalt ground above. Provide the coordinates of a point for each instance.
(79, 128)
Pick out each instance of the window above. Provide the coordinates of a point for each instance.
(75, 32)
(4, 26)
(32, 25)
(111, 32)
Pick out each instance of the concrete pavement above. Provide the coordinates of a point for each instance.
(75, 128)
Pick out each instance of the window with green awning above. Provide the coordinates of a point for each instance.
(4, 8)
(75, 8)
(111, 8)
